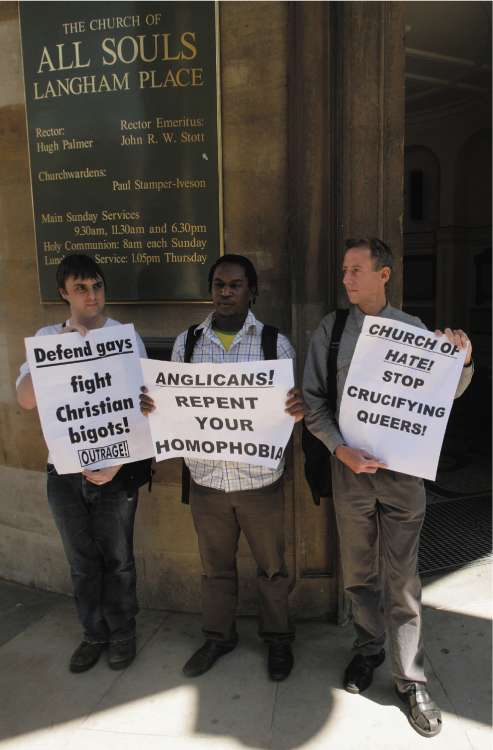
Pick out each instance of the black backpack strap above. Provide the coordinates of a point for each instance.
(335, 340)
(134, 475)
(317, 459)
(269, 341)
(193, 335)
(185, 483)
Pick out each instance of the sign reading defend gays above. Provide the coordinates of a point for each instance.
(229, 412)
(87, 392)
(398, 395)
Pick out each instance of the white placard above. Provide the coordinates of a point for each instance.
(87, 393)
(229, 412)
(398, 395)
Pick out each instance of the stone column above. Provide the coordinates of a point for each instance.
(311, 224)
(346, 163)
(371, 41)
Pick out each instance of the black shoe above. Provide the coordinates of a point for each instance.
(280, 661)
(359, 672)
(85, 656)
(121, 653)
(206, 656)
(423, 713)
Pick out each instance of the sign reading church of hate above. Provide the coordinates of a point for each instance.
(123, 124)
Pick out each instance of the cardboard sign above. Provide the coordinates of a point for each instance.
(87, 393)
(398, 395)
(228, 412)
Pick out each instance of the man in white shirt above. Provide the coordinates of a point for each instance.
(228, 497)
(94, 510)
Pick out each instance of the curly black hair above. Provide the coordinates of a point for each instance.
(238, 260)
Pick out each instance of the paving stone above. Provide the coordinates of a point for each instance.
(152, 706)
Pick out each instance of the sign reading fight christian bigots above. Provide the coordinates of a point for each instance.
(87, 393)
(228, 412)
(398, 395)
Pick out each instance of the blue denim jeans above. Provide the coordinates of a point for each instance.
(96, 524)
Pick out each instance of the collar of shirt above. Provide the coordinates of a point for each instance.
(251, 324)
(360, 315)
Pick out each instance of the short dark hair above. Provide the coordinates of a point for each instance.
(380, 252)
(79, 266)
(238, 260)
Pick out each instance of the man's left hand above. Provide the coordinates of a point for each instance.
(460, 339)
(295, 406)
(103, 476)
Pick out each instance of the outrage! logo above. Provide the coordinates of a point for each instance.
(89, 456)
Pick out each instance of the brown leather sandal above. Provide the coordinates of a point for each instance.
(422, 711)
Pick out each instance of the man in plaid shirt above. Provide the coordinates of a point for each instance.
(228, 497)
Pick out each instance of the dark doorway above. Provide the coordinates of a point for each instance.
(447, 219)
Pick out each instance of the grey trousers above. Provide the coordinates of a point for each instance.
(379, 519)
(219, 517)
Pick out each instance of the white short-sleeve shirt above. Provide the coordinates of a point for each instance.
(58, 328)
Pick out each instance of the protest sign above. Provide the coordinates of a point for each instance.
(231, 412)
(398, 395)
(87, 393)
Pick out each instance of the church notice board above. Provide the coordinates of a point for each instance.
(123, 120)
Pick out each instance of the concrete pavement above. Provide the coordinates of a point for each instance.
(151, 706)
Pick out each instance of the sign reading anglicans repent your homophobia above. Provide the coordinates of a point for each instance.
(123, 124)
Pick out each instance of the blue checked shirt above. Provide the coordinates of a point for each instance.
(231, 476)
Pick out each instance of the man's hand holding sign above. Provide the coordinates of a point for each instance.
(395, 382)
(230, 412)
(83, 374)
(221, 402)
(86, 389)
(86, 384)
(394, 413)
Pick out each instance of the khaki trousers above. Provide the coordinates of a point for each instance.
(379, 519)
(219, 517)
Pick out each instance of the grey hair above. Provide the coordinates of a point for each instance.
(379, 251)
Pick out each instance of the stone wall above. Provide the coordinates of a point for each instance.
(254, 102)
(312, 129)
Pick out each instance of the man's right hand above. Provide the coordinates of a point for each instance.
(146, 403)
(359, 461)
(75, 329)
